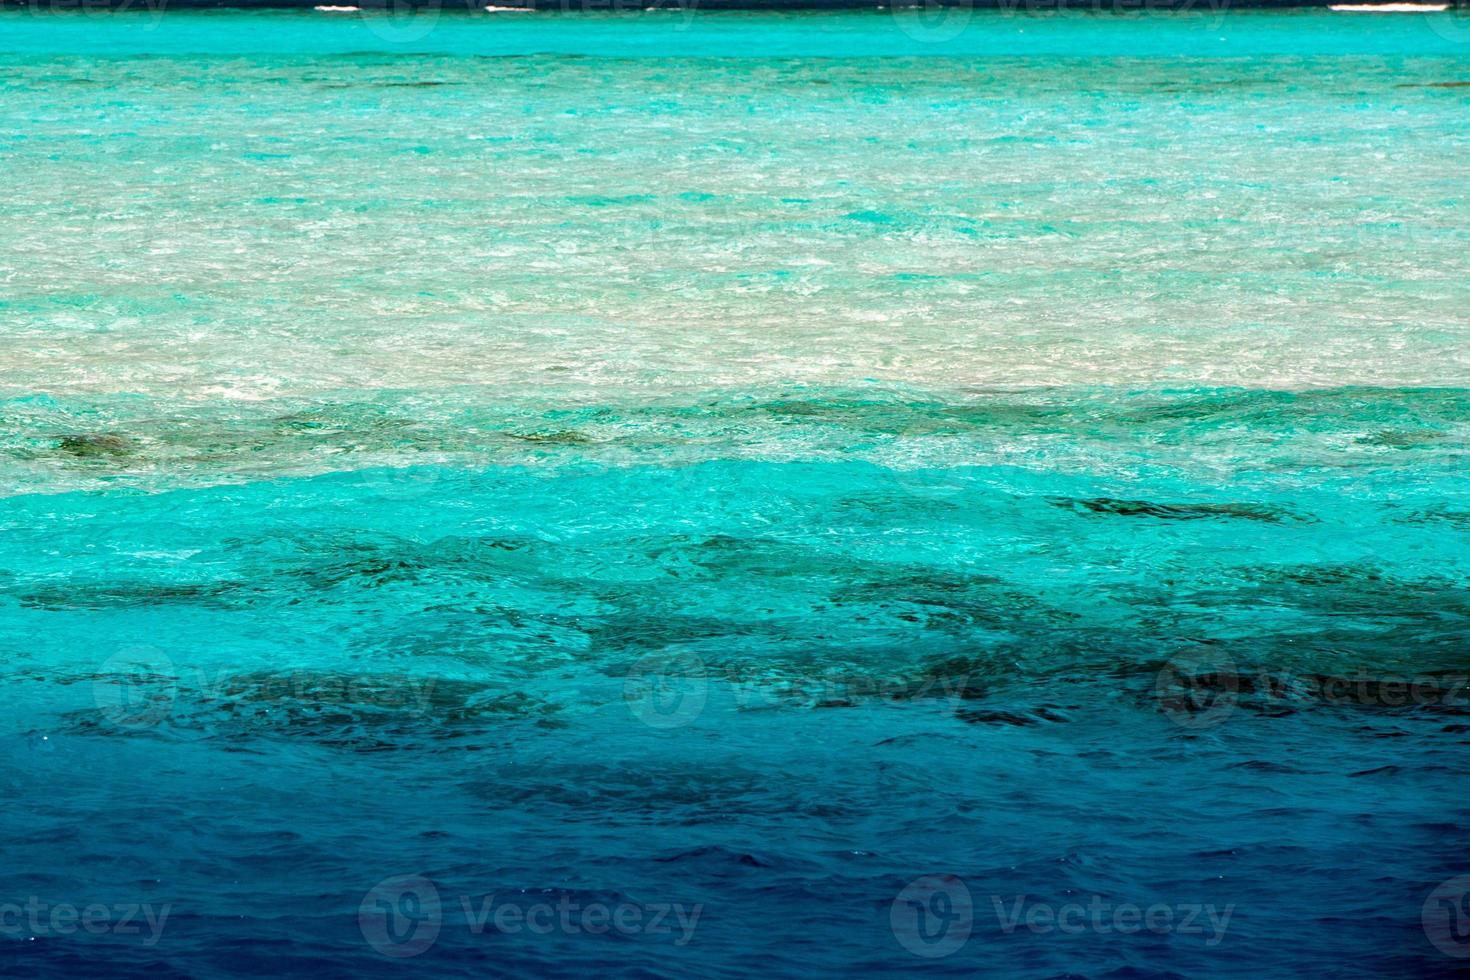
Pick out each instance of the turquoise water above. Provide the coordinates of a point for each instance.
(734, 495)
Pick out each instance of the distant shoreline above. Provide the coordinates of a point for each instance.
(616, 6)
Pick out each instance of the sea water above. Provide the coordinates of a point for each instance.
(734, 494)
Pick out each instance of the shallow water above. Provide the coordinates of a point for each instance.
(738, 466)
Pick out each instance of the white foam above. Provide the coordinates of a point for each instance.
(329, 9)
(1390, 8)
(509, 10)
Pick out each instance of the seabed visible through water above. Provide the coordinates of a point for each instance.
(735, 495)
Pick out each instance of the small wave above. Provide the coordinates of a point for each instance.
(1390, 8)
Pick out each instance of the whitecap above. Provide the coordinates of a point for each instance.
(1390, 8)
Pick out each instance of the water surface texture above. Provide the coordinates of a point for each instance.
(734, 495)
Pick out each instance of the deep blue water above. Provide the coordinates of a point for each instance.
(775, 692)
